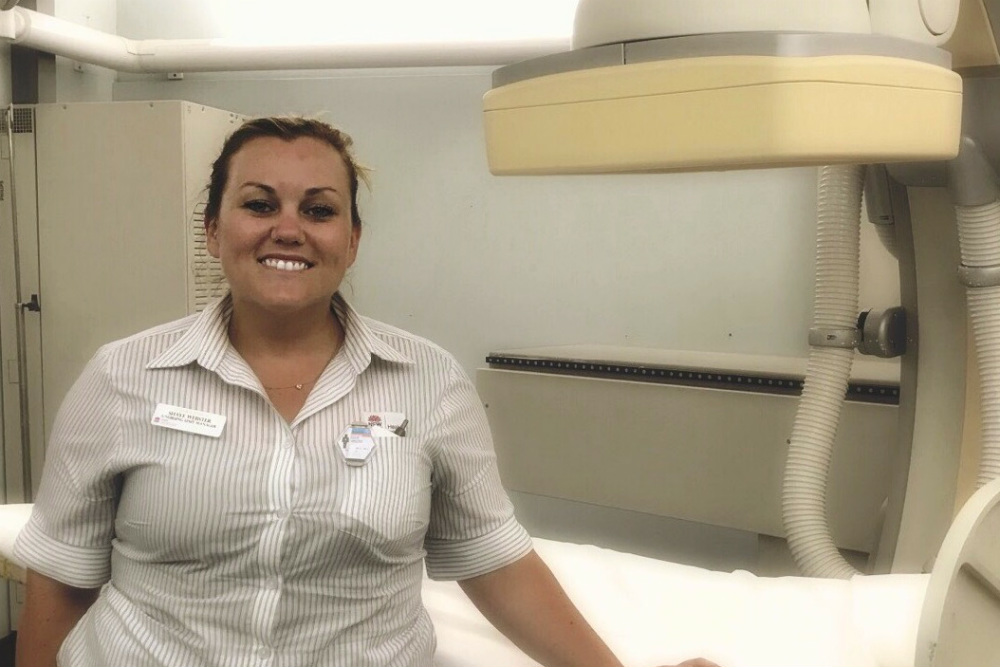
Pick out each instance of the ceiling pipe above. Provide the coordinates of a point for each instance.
(63, 38)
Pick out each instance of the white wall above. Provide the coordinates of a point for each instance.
(711, 261)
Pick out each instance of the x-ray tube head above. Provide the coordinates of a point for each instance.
(685, 99)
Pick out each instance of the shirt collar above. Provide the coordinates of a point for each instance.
(206, 341)
(361, 343)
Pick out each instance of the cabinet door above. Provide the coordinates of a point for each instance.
(112, 230)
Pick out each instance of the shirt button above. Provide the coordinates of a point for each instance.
(283, 513)
(264, 653)
(272, 583)
(287, 443)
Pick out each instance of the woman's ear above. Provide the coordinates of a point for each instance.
(212, 237)
(355, 242)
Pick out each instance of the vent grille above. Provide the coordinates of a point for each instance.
(863, 392)
(20, 119)
(208, 281)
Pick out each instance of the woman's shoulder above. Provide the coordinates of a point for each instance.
(409, 344)
(151, 341)
(169, 329)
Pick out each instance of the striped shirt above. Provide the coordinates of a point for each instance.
(263, 546)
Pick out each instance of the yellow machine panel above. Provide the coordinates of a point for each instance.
(724, 112)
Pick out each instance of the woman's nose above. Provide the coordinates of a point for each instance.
(287, 228)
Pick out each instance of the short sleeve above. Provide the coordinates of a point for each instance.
(472, 527)
(68, 536)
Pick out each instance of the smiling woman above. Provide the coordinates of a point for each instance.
(282, 218)
(265, 482)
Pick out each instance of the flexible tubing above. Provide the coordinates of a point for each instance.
(810, 448)
(979, 244)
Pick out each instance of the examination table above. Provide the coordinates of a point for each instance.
(652, 612)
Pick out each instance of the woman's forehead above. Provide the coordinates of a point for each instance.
(274, 157)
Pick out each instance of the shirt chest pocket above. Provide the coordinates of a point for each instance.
(385, 501)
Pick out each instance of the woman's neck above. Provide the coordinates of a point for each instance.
(288, 352)
(257, 334)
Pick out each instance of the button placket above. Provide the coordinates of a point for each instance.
(272, 538)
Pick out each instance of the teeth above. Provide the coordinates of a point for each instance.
(285, 264)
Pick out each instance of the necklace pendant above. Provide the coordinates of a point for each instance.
(299, 387)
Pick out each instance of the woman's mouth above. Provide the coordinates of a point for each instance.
(285, 264)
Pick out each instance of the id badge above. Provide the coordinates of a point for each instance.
(357, 444)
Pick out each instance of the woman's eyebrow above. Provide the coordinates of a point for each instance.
(271, 190)
(326, 188)
(255, 184)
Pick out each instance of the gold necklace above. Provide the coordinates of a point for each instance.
(298, 386)
(301, 385)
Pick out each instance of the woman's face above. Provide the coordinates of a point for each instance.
(284, 234)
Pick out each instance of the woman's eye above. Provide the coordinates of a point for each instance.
(320, 211)
(258, 206)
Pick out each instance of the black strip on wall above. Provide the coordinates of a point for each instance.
(864, 392)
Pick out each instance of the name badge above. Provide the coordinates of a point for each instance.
(387, 424)
(186, 419)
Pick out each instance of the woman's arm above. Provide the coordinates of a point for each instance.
(524, 601)
(51, 609)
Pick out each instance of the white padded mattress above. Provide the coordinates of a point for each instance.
(652, 612)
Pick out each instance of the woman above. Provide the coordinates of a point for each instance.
(262, 483)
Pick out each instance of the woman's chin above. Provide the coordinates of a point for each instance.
(289, 303)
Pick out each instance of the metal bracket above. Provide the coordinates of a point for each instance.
(878, 201)
(883, 332)
(33, 304)
(979, 276)
(880, 333)
(845, 338)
